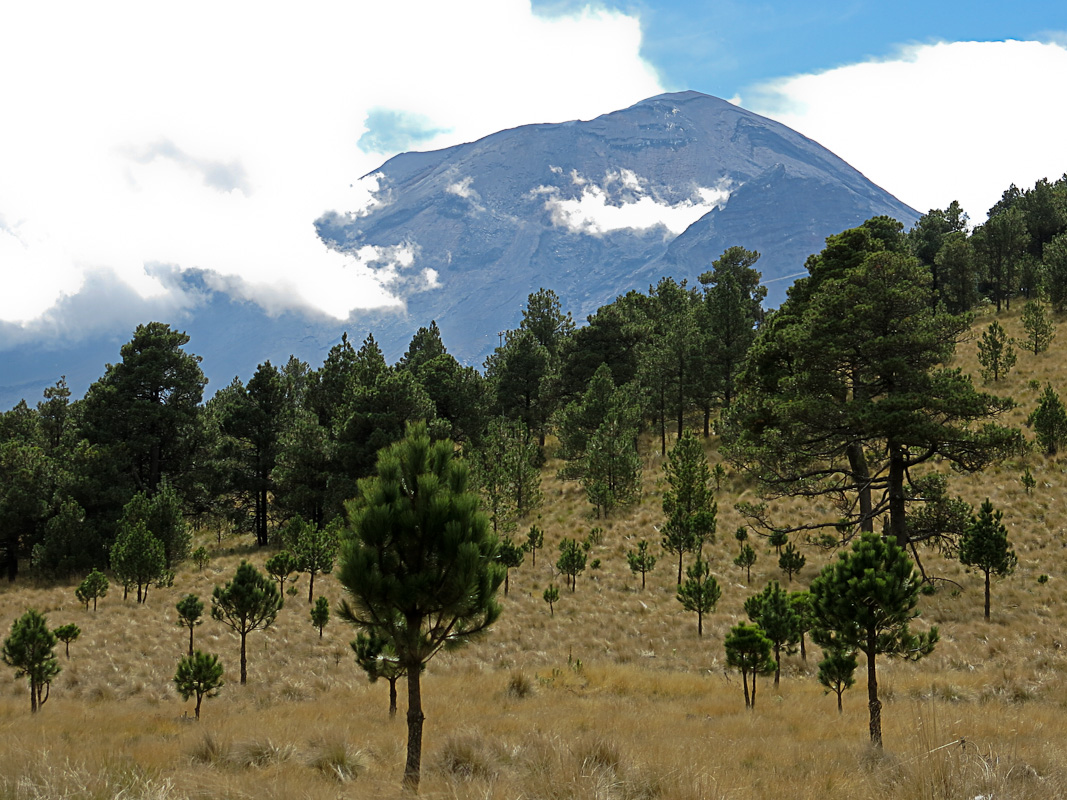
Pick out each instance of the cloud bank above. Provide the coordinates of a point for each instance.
(624, 201)
(937, 122)
(209, 137)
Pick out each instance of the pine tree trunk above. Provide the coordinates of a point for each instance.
(754, 673)
(244, 662)
(777, 664)
(413, 767)
(392, 697)
(873, 702)
(33, 696)
(987, 594)
(311, 585)
(744, 682)
(858, 463)
(895, 490)
(190, 641)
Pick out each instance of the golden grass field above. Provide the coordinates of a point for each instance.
(613, 697)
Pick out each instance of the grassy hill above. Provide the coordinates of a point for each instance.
(615, 696)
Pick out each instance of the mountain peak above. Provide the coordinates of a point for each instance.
(590, 209)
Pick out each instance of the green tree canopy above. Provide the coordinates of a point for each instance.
(995, 352)
(865, 601)
(199, 675)
(689, 503)
(985, 546)
(700, 592)
(846, 393)
(138, 558)
(30, 649)
(247, 603)
(418, 563)
(145, 409)
(748, 650)
(1049, 421)
(773, 610)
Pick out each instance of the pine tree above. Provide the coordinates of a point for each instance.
(846, 392)
(1039, 327)
(535, 540)
(837, 672)
(774, 612)
(791, 561)
(745, 559)
(985, 546)
(30, 649)
(320, 613)
(418, 563)
(730, 314)
(511, 556)
(612, 474)
(1049, 421)
(551, 596)
(67, 634)
(865, 601)
(376, 657)
(198, 675)
(248, 603)
(571, 561)
(138, 558)
(314, 549)
(748, 650)
(688, 504)
(640, 560)
(280, 566)
(995, 352)
(92, 588)
(700, 592)
(190, 609)
(805, 618)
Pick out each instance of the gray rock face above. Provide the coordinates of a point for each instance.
(574, 207)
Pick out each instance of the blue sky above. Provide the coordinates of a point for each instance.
(151, 140)
(724, 48)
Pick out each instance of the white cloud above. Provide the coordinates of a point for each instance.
(209, 136)
(625, 201)
(938, 122)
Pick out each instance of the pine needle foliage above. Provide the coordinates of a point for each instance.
(700, 592)
(418, 563)
(1049, 421)
(30, 649)
(865, 600)
(995, 352)
(248, 603)
(985, 546)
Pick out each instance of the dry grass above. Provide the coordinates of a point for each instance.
(614, 697)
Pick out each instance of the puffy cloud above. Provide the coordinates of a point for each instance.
(209, 137)
(626, 201)
(937, 122)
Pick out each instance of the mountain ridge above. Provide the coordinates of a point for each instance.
(590, 209)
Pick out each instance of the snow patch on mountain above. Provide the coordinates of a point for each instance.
(623, 200)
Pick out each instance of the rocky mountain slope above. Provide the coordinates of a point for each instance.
(589, 209)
